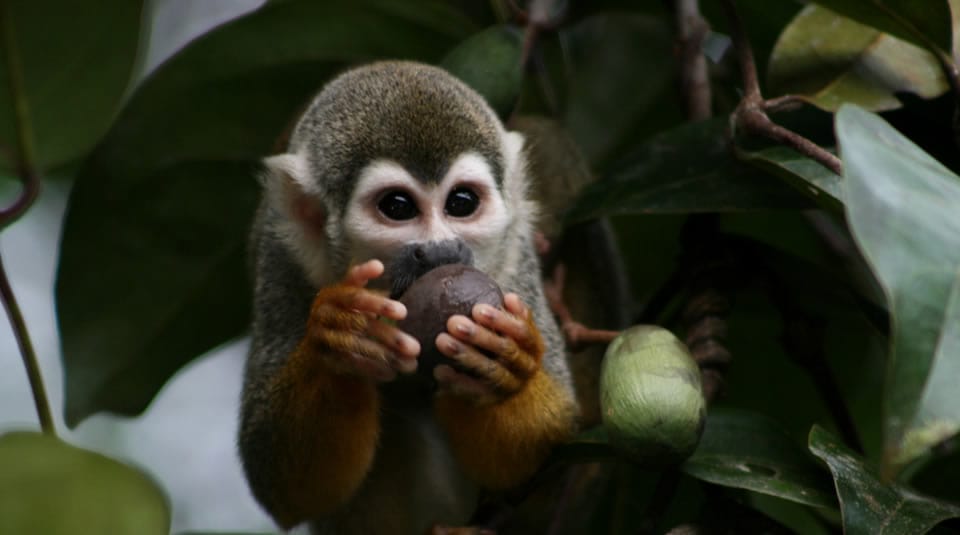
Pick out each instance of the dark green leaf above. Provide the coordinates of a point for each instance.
(489, 62)
(902, 209)
(53, 488)
(828, 59)
(688, 169)
(925, 23)
(618, 64)
(153, 266)
(750, 451)
(868, 505)
(807, 176)
(70, 65)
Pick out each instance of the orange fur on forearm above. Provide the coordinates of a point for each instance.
(503, 444)
(330, 427)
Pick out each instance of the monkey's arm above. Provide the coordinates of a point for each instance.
(503, 420)
(310, 423)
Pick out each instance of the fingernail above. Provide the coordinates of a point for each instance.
(464, 328)
(453, 346)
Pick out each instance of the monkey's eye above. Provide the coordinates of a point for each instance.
(398, 206)
(461, 202)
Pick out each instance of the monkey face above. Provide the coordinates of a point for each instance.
(414, 225)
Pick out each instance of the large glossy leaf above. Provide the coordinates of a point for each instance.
(690, 168)
(152, 268)
(925, 23)
(822, 185)
(66, 66)
(750, 451)
(870, 506)
(828, 59)
(53, 488)
(902, 207)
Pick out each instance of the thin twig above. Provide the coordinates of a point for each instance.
(754, 120)
(692, 29)
(751, 114)
(575, 333)
(23, 158)
(30, 362)
(23, 161)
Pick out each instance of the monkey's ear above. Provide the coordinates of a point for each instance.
(291, 192)
(516, 184)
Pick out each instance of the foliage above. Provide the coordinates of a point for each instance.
(846, 289)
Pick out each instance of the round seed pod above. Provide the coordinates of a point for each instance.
(651, 397)
(434, 297)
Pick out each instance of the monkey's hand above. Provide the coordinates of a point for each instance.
(345, 328)
(503, 412)
(324, 404)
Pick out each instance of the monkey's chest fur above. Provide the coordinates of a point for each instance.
(414, 482)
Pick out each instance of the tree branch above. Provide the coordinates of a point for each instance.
(30, 362)
(751, 114)
(23, 160)
(692, 29)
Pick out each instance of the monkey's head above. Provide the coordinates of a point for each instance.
(401, 162)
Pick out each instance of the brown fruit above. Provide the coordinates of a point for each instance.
(434, 297)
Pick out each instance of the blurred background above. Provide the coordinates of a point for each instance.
(186, 440)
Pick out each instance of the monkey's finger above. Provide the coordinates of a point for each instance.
(403, 346)
(450, 381)
(357, 355)
(487, 370)
(468, 331)
(509, 325)
(360, 274)
(363, 300)
(530, 339)
(514, 305)
(328, 316)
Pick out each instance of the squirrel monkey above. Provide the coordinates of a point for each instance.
(395, 168)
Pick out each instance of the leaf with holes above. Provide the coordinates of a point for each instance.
(750, 451)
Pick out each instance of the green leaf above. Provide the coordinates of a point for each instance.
(820, 184)
(869, 506)
(938, 417)
(153, 257)
(690, 168)
(489, 62)
(750, 451)
(828, 59)
(48, 486)
(617, 66)
(66, 66)
(902, 209)
(924, 23)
